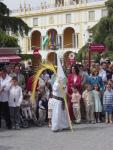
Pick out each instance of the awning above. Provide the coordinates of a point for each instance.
(9, 50)
(9, 59)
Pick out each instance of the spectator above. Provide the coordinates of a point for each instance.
(20, 77)
(108, 103)
(74, 79)
(45, 76)
(102, 71)
(109, 72)
(76, 97)
(26, 107)
(5, 84)
(43, 108)
(88, 98)
(15, 100)
(50, 107)
(84, 75)
(94, 78)
(97, 102)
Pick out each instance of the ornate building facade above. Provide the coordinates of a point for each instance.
(65, 21)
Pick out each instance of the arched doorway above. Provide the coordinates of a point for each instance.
(52, 58)
(53, 39)
(35, 39)
(36, 61)
(69, 36)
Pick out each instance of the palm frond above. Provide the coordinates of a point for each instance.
(39, 71)
(37, 75)
(35, 80)
(49, 66)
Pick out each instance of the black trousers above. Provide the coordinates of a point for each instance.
(15, 116)
(4, 112)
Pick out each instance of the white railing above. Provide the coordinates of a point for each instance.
(45, 6)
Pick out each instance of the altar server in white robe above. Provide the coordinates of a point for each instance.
(59, 113)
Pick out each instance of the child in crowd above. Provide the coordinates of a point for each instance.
(48, 90)
(42, 108)
(50, 110)
(15, 100)
(27, 107)
(88, 98)
(76, 97)
(108, 103)
(97, 102)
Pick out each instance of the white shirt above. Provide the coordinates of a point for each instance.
(5, 84)
(41, 82)
(15, 96)
(45, 76)
(102, 74)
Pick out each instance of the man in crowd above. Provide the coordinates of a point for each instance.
(5, 84)
(102, 71)
(20, 76)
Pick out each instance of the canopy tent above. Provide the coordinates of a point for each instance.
(9, 55)
(9, 59)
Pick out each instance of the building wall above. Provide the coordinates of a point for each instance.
(53, 17)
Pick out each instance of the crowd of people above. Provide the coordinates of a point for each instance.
(90, 93)
(89, 96)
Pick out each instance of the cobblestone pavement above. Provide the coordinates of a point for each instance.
(83, 137)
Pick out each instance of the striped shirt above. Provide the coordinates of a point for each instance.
(108, 97)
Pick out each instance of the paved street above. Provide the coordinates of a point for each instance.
(84, 137)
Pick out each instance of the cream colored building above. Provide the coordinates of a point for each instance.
(65, 21)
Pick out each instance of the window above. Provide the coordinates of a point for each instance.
(91, 15)
(68, 18)
(104, 12)
(35, 21)
(51, 20)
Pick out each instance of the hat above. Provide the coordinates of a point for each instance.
(60, 72)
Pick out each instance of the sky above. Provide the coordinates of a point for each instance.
(14, 4)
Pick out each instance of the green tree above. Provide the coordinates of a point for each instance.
(7, 41)
(10, 24)
(103, 30)
(102, 33)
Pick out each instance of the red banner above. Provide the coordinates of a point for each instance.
(97, 47)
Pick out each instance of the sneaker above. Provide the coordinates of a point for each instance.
(106, 121)
(9, 128)
(17, 128)
(13, 127)
(49, 125)
(93, 122)
(78, 121)
(87, 121)
(111, 122)
(98, 121)
(58, 130)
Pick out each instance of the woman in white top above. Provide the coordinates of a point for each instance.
(15, 100)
